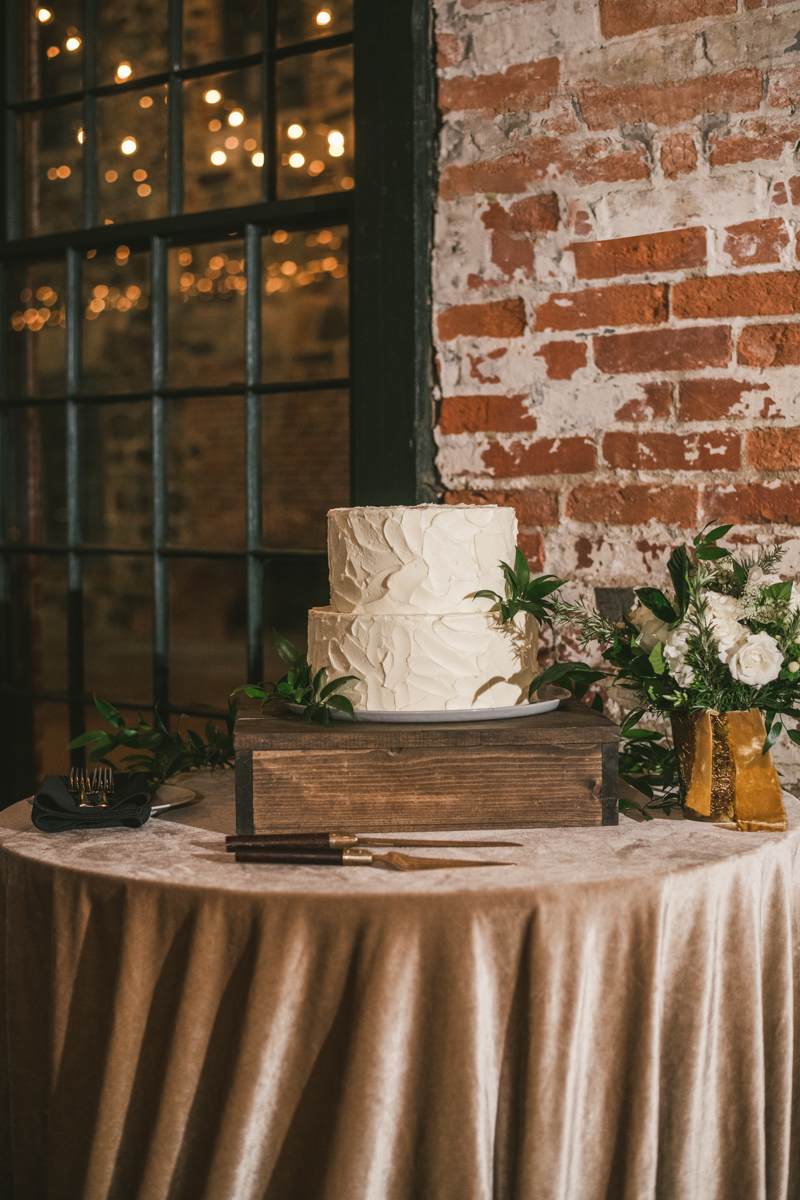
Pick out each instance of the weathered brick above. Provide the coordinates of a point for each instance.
(774, 449)
(511, 173)
(618, 18)
(478, 414)
(670, 250)
(533, 506)
(784, 86)
(589, 162)
(523, 87)
(769, 346)
(499, 319)
(600, 162)
(779, 193)
(678, 155)
(532, 546)
(511, 3)
(449, 50)
(756, 241)
(652, 405)
(512, 252)
(711, 399)
(546, 456)
(534, 214)
(672, 451)
(663, 350)
(634, 504)
(563, 359)
(794, 189)
(606, 107)
(773, 294)
(735, 148)
(591, 308)
(753, 503)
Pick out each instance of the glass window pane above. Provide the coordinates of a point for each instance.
(117, 474)
(38, 647)
(206, 473)
(206, 314)
(207, 630)
(131, 39)
(52, 170)
(292, 585)
(304, 309)
(116, 329)
(217, 29)
(35, 476)
(306, 466)
(37, 342)
(315, 122)
(223, 151)
(299, 20)
(132, 155)
(51, 45)
(118, 624)
(51, 735)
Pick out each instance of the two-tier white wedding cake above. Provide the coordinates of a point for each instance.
(403, 618)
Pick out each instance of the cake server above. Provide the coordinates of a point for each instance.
(351, 857)
(343, 840)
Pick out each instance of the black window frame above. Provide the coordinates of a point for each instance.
(389, 214)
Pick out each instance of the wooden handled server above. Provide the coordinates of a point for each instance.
(343, 841)
(334, 857)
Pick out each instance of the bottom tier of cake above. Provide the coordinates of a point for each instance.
(426, 662)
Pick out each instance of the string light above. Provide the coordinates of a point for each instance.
(348, 183)
(296, 160)
(44, 15)
(236, 117)
(258, 159)
(111, 176)
(296, 131)
(81, 136)
(316, 167)
(124, 70)
(212, 96)
(139, 175)
(53, 51)
(73, 43)
(335, 143)
(219, 157)
(144, 189)
(231, 143)
(280, 235)
(129, 146)
(146, 102)
(250, 144)
(215, 125)
(324, 16)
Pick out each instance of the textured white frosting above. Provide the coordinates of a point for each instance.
(425, 662)
(429, 558)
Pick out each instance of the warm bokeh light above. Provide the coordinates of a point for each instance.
(280, 235)
(336, 150)
(296, 131)
(81, 136)
(335, 138)
(324, 16)
(144, 189)
(73, 43)
(250, 144)
(212, 96)
(44, 15)
(236, 117)
(231, 143)
(289, 268)
(64, 172)
(258, 159)
(53, 51)
(348, 183)
(111, 176)
(185, 258)
(123, 251)
(129, 146)
(215, 125)
(124, 70)
(219, 157)
(296, 159)
(146, 102)
(316, 167)
(139, 175)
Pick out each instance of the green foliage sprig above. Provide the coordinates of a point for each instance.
(156, 750)
(524, 594)
(298, 686)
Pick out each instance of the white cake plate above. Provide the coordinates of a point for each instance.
(439, 716)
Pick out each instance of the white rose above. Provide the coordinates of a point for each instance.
(651, 629)
(729, 636)
(722, 606)
(794, 599)
(757, 661)
(756, 579)
(676, 647)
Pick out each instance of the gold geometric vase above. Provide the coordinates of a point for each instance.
(723, 775)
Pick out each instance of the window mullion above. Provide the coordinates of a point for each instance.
(255, 565)
(75, 631)
(175, 110)
(160, 496)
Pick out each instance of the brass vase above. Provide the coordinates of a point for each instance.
(722, 773)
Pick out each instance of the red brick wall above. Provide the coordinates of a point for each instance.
(616, 273)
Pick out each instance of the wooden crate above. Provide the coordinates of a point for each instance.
(555, 769)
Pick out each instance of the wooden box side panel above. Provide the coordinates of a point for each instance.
(432, 788)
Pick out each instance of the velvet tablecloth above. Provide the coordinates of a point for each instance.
(611, 1019)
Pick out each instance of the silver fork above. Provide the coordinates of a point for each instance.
(93, 789)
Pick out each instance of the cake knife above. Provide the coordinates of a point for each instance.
(348, 857)
(342, 840)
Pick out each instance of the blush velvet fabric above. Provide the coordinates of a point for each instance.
(613, 1018)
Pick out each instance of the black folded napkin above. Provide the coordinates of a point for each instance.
(55, 809)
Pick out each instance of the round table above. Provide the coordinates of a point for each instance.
(613, 1018)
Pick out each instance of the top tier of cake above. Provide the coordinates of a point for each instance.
(431, 558)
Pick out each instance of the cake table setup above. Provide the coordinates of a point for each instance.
(530, 993)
